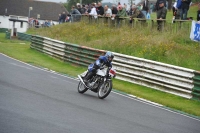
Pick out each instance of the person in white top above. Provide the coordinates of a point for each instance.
(107, 12)
(174, 9)
(93, 11)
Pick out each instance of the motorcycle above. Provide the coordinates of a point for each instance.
(101, 83)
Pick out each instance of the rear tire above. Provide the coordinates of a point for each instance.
(105, 89)
(81, 88)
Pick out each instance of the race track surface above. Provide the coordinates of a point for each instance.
(33, 100)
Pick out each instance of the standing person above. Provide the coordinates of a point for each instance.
(76, 15)
(174, 11)
(87, 9)
(93, 11)
(63, 17)
(161, 14)
(100, 9)
(125, 6)
(114, 11)
(178, 8)
(59, 18)
(184, 8)
(151, 8)
(121, 13)
(198, 13)
(157, 4)
(108, 12)
(79, 7)
(136, 13)
(145, 7)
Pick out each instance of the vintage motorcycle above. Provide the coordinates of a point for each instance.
(101, 83)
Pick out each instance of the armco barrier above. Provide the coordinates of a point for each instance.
(3, 30)
(23, 36)
(8, 34)
(196, 89)
(66, 51)
(168, 78)
(172, 79)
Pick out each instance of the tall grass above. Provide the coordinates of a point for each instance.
(174, 48)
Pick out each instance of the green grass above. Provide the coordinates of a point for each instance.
(171, 47)
(22, 51)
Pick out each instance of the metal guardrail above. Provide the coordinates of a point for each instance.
(3, 30)
(164, 77)
(66, 51)
(196, 89)
(168, 78)
(23, 36)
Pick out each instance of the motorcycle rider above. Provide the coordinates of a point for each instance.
(101, 61)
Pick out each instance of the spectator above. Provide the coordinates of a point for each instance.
(167, 4)
(178, 8)
(136, 13)
(161, 14)
(198, 13)
(100, 10)
(83, 9)
(184, 8)
(63, 17)
(68, 18)
(79, 8)
(141, 6)
(75, 14)
(37, 24)
(108, 12)
(157, 4)
(145, 7)
(151, 8)
(114, 10)
(121, 13)
(174, 11)
(93, 11)
(125, 6)
(59, 18)
(88, 10)
(47, 23)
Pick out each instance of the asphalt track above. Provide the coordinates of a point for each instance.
(33, 100)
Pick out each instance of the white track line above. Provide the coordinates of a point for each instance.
(127, 96)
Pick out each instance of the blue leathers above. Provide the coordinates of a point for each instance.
(92, 68)
(104, 61)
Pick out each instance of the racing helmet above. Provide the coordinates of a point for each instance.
(109, 55)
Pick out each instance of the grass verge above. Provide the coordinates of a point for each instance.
(22, 51)
(172, 46)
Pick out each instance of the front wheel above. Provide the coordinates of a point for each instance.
(105, 89)
(81, 88)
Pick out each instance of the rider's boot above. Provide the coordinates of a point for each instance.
(87, 77)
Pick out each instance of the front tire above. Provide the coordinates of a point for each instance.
(81, 88)
(105, 89)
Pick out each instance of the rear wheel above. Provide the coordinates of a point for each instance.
(81, 88)
(105, 89)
